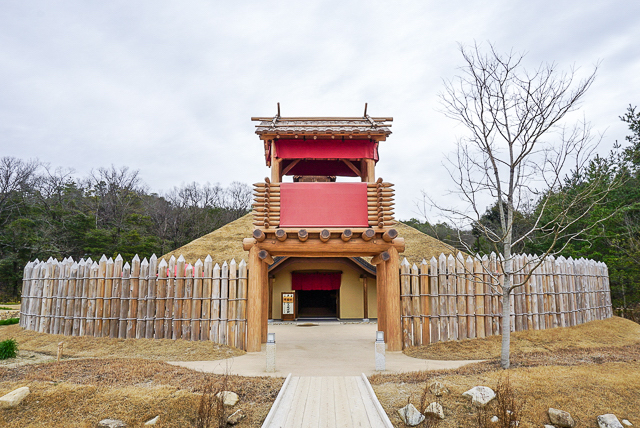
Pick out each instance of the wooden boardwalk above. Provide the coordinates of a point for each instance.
(326, 401)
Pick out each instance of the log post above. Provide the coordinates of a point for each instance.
(265, 257)
(368, 235)
(346, 235)
(259, 235)
(365, 298)
(380, 258)
(303, 235)
(392, 305)
(381, 291)
(281, 235)
(325, 235)
(254, 302)
(390, 235)
(264, 284)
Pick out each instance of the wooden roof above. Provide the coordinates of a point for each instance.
(363, 127)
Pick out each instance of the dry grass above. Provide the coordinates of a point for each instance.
(222, 244)
(610, 332)
(586, 370)
(94, 347)
(79, 393)
(225, 244)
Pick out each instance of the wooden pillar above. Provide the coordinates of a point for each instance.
(371, 170)
(365, 298)
(270, 296)
(381, 290)
(254, 302)
(264, 283)
(392, 302)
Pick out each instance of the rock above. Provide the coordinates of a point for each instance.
(561, 418)
(435, 409)
(152, 421)
(480, 395)
(549, 426)
(494, 419)
(410, 415)
(236, 417)
(609, 421)
(111, 423)
(229, 398)
(14, 398)
(626, 423)
(438, 389)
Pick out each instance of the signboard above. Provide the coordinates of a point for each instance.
(288, 305)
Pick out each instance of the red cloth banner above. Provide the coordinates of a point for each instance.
(315, 280)
(291, 148)
(323, 205)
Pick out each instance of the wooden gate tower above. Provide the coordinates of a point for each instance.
(316, 216)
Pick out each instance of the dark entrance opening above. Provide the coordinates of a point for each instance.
(317, 303)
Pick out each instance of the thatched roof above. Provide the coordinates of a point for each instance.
(225, 243)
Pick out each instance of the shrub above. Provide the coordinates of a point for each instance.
(8, 349)
(211, 412)
(10, 321)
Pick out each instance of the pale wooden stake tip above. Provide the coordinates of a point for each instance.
(172, 259)
(208, 258)
(433, 259)
(74, 265)
(189, 267)
(50, 259)
(405, 262)
(217, 266)
(55, 262)
(36, 261)
(442, 257)
(450, 258)
(153, 257)
(118, 258)
(103, 258)
(242, 263)
(225, 264)
(414, 267)
(136, 258)
(233, 261)
(469, 259)
(180, 259)
(127, 266)
(145, 262)
(163, 263)
(94, 265)
(88, 261)
(423, 262)
(199, 262)
(459, 256)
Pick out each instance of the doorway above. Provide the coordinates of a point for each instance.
(317, 303)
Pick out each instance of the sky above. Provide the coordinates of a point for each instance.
(168, 87)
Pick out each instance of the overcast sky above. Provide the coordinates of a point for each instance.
(169, 87)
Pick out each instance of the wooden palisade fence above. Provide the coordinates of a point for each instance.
(454, 298)
(450, 298)
(147, 299)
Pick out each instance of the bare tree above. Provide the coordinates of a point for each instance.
(17, 177)
(517, 149)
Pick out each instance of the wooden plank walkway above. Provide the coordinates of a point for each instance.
(326, 402)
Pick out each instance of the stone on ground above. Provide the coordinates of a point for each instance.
(609, 421)
(494, 419)
(410, 415)
(435, 409)
(229, 398)
(14, 398)
(236, 417)
(480, 395)
(561, 418)
(626, 423)
(111, 423)
(152, 421)
(438, 389)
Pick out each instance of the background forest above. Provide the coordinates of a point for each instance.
(47, 211)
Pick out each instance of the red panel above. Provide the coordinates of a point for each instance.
(315, 281)
(320, 167)
(323, 205)
(290, 148)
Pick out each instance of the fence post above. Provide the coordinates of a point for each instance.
(176, 292)
(132, 314)
(186, 306)
(215, 302)
(151, 302)
(425, 310)
(224, 296)
(141, 313)
(405, 297)
(461, 291)
(205, 324)
(434, 314)
(124, 301)
(233, 287)
(161, 296)
(196, 305)
(91, 302)
(242, 306)
(471, 319)
(443, 295)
